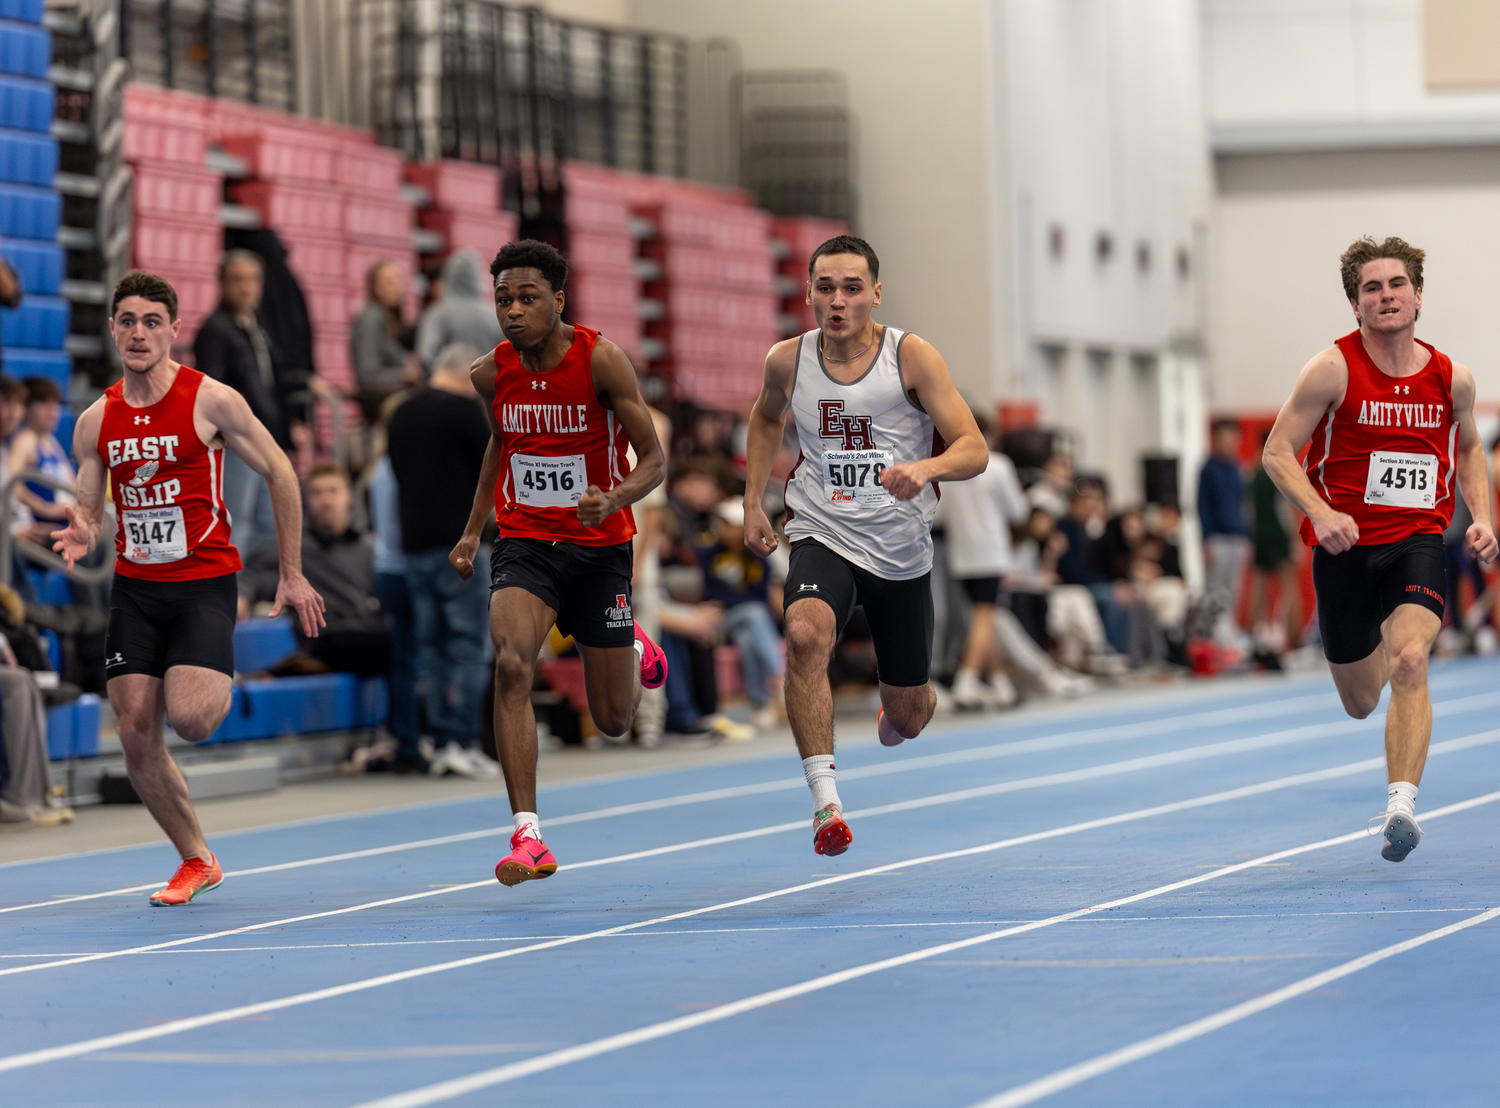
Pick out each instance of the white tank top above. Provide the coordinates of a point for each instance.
(848, 434)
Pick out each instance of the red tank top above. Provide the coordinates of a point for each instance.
(1385, 455)
(556, 439)
(168, 487)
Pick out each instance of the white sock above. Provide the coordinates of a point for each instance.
(528, 824)
(640, 647)
(1401, 796)
(821, 780)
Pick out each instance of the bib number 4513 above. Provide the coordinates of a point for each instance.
(1402, 480)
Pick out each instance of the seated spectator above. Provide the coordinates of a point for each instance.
(339, 563)
(738, 582)
(1050, 608)
(25, 782)
(35, 447)
(1083, 528)
(464, 313)
(1055, 488)
(380, 341)
(23, 525)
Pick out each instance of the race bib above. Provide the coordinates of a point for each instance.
(154, 535)
(853, 477)
(1401, 480)
(544, 482)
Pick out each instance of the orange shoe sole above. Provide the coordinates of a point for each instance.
(833, 839)
(510, 872)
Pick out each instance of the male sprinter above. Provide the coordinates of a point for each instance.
(160, 433)
(870, 403)
(562, 402)
(1391, 421)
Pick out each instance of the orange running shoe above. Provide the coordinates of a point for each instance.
(528, 860)
(192, 879)
(831, 835)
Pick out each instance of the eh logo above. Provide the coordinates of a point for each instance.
(140, 419)
(853, 430)
(539, 385)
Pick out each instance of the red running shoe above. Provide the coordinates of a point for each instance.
(528, 860)
(831, 835)
(192, 879)
(653, 661)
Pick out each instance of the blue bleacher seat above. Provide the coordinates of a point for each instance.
(51, 587)
(27, 158)
(21, 362)
(24, 49)
(53, 645)
(303, 705)
(29, 11)
(26, 103)
(41, 322)
(40, 265)
(261, 643)
(29, 213)
(73, 729)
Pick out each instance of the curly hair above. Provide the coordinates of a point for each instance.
(531, 254)
(1365, 250)
(148, 286)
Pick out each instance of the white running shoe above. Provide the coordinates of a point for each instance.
(1401, 834)
(969, 693)
(1002, 692)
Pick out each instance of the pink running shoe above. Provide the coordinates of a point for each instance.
(889, 736)
(653, 661)
(528, 860)
(831, 835)
(192, 879)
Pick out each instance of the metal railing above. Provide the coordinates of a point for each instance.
(44, 556)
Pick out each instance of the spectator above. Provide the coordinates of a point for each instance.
(395, 598)
(1065, 613)
(739, 583)
(338, 562)
(1055, 488)
(24, 779)
(977, 516)
(465, 312)
(35, 447)
(651, 713)
(437, 441)
(1083, 528)
(23, 524)
(380, 341)
(234, 348)
(1273, 560)
(1221, 514)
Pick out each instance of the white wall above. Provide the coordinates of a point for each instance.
(920, 90)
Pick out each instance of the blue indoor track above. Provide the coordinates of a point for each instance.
(1170, 902)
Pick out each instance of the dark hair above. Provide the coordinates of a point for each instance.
(847, 244)
(40, 390)
(148, 286)
(1366, 249)
(1227, 425)
(240, 255)
(531, 254)
(1083, 486)
(11, 389)
(325, 469)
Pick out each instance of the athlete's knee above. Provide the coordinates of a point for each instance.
(911, 712)
(1358, 703)
(808, 641)
(1409, 670)
(613, 720)
(513, 673)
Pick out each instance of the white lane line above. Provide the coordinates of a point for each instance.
(1481, 738)
(109, 1042)
(461, 1086)
(1056, 1082)
(1063, 740)
(298, 1057)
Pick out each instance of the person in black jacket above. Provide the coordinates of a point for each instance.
(234, 348)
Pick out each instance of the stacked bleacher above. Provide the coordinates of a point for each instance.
(177, 198)
(35, 333)
(464, 207)
(797, 238)
(604, 290)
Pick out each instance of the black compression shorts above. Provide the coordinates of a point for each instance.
(981, 590)
(587, 586)
(155, 625)
(1360, 588)
(899, 612)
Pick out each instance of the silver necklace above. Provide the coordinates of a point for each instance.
(829, 358)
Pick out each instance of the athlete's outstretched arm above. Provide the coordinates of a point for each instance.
(1473, 473)
(931, 386)
(614, 381)
(1319, 390)
(227, 411)
(87, 519)
(767, 421)
(461, 557)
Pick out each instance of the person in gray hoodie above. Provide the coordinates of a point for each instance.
(465, 314)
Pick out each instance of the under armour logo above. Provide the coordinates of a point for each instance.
(807, 588)
(140, 419)
(116, 659)
(1401, 389)
(539, 385)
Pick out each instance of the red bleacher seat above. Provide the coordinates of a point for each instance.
(288, 207)
(178, 242)
(378, 219)
(314, 257)
(362, 167)
(180, 191)
(484, 234)
(458, 186)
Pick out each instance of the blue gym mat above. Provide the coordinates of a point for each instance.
(1170, 903)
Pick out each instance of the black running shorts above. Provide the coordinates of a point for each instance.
(587, 586)
(1360, 588)
(981, 590)
(155, 625)
(899, 612)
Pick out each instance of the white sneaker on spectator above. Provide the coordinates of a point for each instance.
(766, 718)
(451, 759)
(1054, 682)
(484, 767)
(1107, 663)
(1001, 690)
(969, 693)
